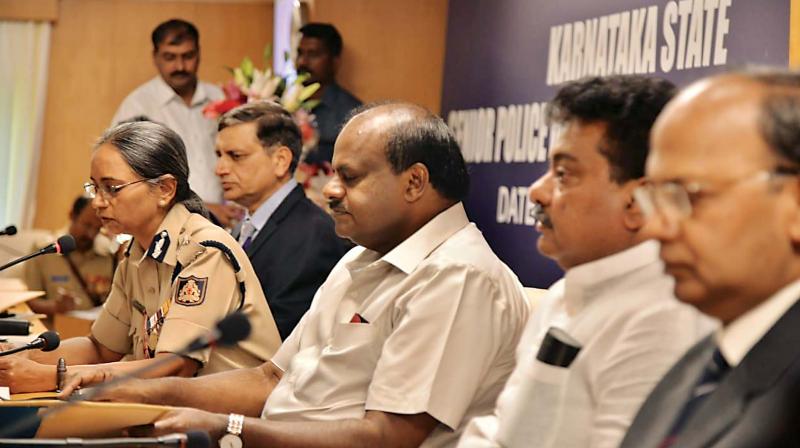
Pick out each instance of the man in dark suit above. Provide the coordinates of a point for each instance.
(290, 241)
(725, 203)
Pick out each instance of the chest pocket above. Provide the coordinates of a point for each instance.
(339, 373)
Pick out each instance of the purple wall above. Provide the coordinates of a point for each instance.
(497, 55)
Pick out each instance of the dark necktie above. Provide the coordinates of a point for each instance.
(715, 370)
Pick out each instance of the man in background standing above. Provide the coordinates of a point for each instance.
(318, 55)
(175, 98)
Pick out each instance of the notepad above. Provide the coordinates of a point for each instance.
(107, 419)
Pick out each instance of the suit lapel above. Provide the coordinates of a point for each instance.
(759, 371)
(279, 215)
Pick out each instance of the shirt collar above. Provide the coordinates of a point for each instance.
(584, 281)
(265, 210)
(165, 94)
(407, 255)
(164, 246)
(738, 337)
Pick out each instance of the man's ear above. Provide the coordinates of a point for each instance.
(418, 180)
(633, 218)
(793, 187)
(282, 159)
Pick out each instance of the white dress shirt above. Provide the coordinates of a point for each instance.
(622, 310)
(429, 327)
(738, 337)
(157, 101)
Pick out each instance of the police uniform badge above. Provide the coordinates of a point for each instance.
(191, 290)
(158, 248)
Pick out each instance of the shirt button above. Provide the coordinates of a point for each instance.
(151, 290)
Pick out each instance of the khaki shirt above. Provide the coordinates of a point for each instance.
(431, 326)
(49, 273)
(204, 291)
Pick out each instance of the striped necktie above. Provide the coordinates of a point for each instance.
(713, 373)
(246, 235)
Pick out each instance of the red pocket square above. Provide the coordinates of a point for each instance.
(358, 319)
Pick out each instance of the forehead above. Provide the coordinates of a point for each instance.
(711, 136)
(362, 143)
(187, 45)
(108, 164)
(312, 43)
(580, 142)
(238, 136)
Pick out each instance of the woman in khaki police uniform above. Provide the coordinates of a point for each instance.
(178, 278)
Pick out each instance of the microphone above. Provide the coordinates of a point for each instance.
(231, 329)
(46, 342)
(191, 439)
(10, 230)
(64, 245)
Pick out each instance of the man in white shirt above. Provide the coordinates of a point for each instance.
(725, 203)
(176, 98)
(615, 299)
(412, 334)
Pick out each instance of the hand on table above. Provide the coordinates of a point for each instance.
(21, 374)
(185, 419)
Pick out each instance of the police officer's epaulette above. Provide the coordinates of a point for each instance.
(237, 268)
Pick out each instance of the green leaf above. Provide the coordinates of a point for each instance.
(247, 68)
(310, 104)
(308, 91)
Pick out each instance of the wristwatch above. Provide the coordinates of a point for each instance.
(232, 439)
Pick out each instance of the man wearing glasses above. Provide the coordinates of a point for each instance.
(724, 200)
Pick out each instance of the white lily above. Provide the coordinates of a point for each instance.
(263, 86)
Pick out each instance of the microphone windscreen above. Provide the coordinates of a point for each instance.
(65, 244)
(233, 328)
(10, 230)
(51, 341)
(197, 439)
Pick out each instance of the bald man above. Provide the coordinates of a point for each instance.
(724, 201)
(374, 360)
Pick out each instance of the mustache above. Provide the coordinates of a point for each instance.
(336, 206)
(180, 73)
(541, 216)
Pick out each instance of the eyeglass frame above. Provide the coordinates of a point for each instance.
(111, 191)
(690, 192)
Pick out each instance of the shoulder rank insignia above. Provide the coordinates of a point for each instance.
(191, 290)
(158, 249)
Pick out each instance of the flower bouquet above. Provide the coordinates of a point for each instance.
(252, 84)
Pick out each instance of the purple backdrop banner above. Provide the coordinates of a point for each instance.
(506, 58)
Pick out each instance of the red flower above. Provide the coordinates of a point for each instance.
(216, 108)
